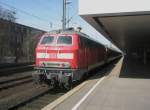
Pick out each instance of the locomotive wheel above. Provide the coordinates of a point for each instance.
(84, 77)
(56, 85)
(68, 85)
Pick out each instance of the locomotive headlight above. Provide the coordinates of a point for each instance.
(65, 65)
(67, 74)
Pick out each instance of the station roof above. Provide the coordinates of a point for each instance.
(128, 26)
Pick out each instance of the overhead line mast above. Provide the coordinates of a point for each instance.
(64, 15)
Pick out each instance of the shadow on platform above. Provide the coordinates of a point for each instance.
(103, 70)
(132, 68)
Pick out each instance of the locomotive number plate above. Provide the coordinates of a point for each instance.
(52, 55)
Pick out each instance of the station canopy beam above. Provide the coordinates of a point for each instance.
(125, 22)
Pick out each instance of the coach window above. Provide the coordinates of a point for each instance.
(64, 40)
(47, 40)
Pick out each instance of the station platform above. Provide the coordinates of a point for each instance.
(109, 92)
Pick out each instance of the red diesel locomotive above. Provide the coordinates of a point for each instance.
(67, 56)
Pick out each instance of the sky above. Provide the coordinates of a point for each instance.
(41, 13)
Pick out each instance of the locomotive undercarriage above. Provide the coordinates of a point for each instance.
(62, 78)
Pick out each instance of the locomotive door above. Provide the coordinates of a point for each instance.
(84, 53)
(106, 54)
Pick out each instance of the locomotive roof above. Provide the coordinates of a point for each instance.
(74, 32)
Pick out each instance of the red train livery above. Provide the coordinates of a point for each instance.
(66, 56)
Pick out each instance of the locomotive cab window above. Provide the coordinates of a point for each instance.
(64, 40)
(47, 40)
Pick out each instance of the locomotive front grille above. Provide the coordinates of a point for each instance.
(52, 64)
(55, 64)
(55, 71)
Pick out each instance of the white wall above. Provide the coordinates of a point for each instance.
(112, 6)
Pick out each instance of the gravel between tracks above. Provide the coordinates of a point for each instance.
(19, 95)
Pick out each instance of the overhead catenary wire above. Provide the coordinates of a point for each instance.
(22, 11)
(41, 3)
(35, 16)
(71, 18)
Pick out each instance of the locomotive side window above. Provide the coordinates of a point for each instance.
(82, 44)
(64, 40)
(47, 40)
(84, 41)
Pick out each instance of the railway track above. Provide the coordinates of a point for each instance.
(42, 100)
(13, 69)
(18, 91)
(28, 96)
(14, 96)
(14, 80)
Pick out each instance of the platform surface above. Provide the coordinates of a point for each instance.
(113, 93)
